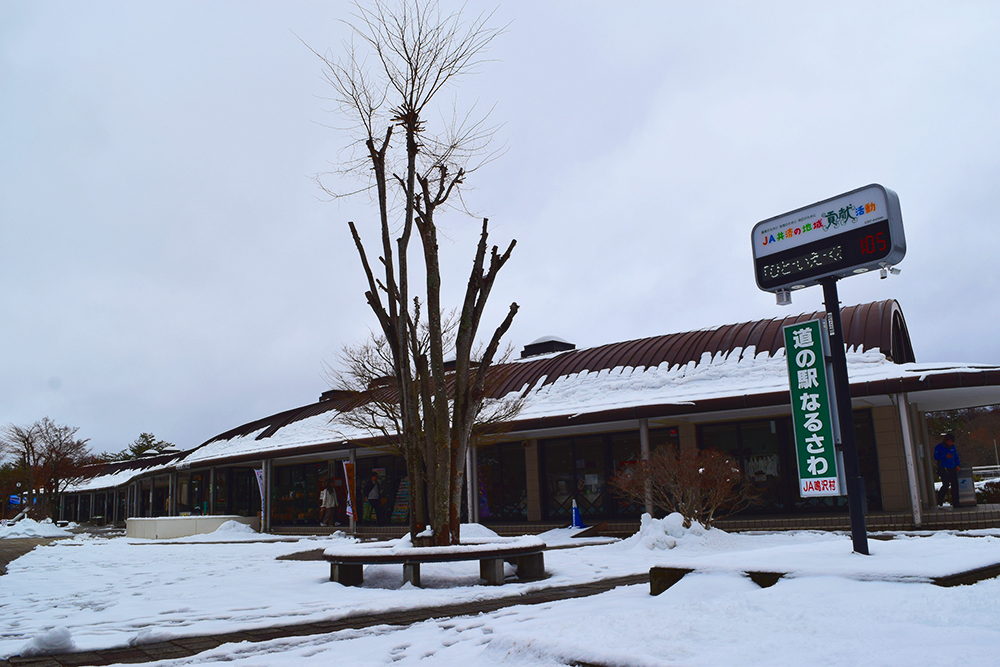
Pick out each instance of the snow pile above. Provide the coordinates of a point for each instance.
(468, 531)
(664, 533)
(234, 528)
(56, 640)
(32, 528)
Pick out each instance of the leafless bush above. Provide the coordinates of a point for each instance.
(702, 485)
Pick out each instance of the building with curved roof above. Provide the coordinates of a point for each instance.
(586, 412)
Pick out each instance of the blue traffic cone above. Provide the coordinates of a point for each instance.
(577, 521)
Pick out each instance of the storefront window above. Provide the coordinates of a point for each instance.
(198, 493)
(588, 459)
(295, 494)
(579, 469)
(503, 488)
(765, 451)
(756, 446)
(383, 491)
(560, 478)
(625, 451)
(245, 492)
(222, 491)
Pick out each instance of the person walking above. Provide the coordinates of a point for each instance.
(948, 466)
(328, 505)
(373, 501)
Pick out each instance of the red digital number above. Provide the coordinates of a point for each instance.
(871, 243)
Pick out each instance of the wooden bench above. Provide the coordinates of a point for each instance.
(347, 565)
(662, 578)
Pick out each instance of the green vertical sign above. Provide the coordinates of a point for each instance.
(812, 415)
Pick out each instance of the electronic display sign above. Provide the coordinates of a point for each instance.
(852, 233)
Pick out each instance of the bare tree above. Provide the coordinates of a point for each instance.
(415, 53)
(22, 443)
(49, 456)
(61, 460)
(366, 371)
(701, 485)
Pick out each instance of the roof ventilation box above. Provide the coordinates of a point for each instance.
(546, 345)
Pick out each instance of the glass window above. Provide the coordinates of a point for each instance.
(222, 491)
(503, 486)
(560, 480)
(579, 469)
(625, 451)
(390, 483)
(591, 478)
(765, 450)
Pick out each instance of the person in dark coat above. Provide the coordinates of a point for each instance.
(948, 466)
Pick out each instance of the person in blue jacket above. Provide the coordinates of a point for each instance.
(947, 457)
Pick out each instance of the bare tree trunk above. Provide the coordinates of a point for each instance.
(420, 51)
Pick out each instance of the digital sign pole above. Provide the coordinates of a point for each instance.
(846, 235)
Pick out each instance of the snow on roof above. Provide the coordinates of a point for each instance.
(314, 430)
(674, 370)
(114, 475)
(741, 372)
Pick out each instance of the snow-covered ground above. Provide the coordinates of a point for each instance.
(835, 608)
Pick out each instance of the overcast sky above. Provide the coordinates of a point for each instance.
(170, 266)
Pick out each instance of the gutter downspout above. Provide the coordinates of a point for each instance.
(911, 469)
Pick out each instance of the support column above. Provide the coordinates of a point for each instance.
(352, 489)
(472, 483)
(911, 466)
(646, 455)
(172, 494)
(267, 466)
(211, 490)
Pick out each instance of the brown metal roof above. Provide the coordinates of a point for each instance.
(868, 326)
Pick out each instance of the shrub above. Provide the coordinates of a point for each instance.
(989, 494)
(701, 485)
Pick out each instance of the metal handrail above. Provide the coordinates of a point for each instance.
(985, 472)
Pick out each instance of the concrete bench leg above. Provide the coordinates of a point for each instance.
(662, 578)
(531, 566)
(491, 569)
(348, 574)
(765, 579)
(411, 573)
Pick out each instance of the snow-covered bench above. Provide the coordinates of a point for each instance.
(662, 578)
(347, 564)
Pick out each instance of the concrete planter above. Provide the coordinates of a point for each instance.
(169, 527)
